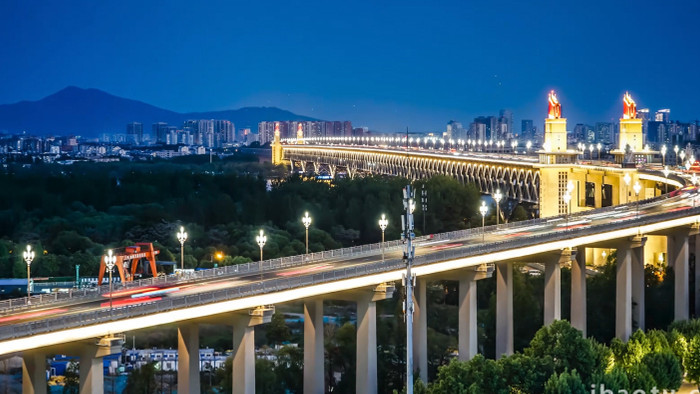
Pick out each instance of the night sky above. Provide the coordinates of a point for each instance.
(387, 65)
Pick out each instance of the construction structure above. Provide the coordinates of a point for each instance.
(132, 261)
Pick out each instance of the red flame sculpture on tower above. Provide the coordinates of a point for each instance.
(629, 107)
(554, 106)
(277, 129)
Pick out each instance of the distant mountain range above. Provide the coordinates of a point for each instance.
(91, 112)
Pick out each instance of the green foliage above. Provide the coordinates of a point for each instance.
(525, 373)
(72, 379)
(277, 331)
(142, 380)
(566, 347)
(565, 383)
(479, 375)
(692, 360)
(265, 378)
(665, 369)
(614, 380)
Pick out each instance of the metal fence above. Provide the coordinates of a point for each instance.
(279, 284)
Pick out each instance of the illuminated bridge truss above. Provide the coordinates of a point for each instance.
(517, 180)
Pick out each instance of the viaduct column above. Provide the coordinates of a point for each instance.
(313, 347)
(244, 348)
(188, 358)
(420, 329)
(630, 285)
(91, 370)
(552, 284)
(366, 379)
(578, 291)
(697, 276)
(34, 372)
(677, 246)
(638, 286)
(504, 309)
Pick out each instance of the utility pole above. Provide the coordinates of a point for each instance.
(407, 236)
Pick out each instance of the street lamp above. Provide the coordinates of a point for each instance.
(497, 197)
(28, 258)
(591, 148)
(383, 222)
(307, 222)
(666, 172)
(528, 145)
(182, 237)
(627, 180)
(261, 239)
(483, 209)
(599, 146)
(663, 155)
(637, 188)
(110, 260)
(567, 200)
(682, 156)
(675, 150)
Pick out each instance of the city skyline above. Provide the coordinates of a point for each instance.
(387, 66)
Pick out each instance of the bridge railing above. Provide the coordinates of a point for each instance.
(279, 284)
(86, 294)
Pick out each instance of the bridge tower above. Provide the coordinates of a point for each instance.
(277, 153)
(555, 162)
(554, 148)
(630, 149)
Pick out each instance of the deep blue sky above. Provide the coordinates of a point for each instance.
(382, 64)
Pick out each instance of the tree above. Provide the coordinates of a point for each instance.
(289, 369)
(665, 368)
(565, 383)
(277, 330)
(72, 379)
(265, 378)
(566, 347)
(525, 373)
(142, 380)
(692, 361)
(479, 375)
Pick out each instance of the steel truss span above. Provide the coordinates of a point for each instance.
(517, 180)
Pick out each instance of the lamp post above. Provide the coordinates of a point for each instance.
(567, 200)
(528, 145)
(599, 146)
(307, 222)
(182, 237)
(261, 239)
(591, 148)
(663, 155)
(497, 197)
(483, 209)
(666, 172)
(28, 258)
(110, 260)
(675, 150)
(637, 188)
(627, 180)
(682, 154)
(383, 222)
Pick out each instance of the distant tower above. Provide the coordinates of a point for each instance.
(554, 146)
(300, 134)
(276, 146)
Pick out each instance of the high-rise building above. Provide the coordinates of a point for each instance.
(663, 115)
(527, 129)
(160, 132)
(505, 125)
(604, 132)
(225, 132)
(134, 133)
